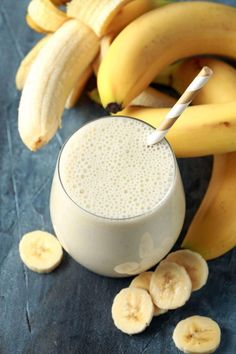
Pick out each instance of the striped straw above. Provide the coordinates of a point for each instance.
(183, 102)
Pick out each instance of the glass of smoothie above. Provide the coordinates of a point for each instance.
(117, 205)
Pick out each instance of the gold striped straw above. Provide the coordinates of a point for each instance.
(183, 102)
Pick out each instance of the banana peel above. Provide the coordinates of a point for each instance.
(46, 15)
(33, 25)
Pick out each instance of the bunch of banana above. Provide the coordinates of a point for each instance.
(163, 36)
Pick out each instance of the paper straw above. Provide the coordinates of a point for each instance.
(183, 102)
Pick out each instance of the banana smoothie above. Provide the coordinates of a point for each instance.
(117, 205)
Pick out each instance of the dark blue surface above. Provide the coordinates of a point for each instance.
(68, 311)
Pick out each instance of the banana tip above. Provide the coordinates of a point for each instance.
(113, 107)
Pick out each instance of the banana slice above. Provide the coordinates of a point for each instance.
(40, 251)
(142, 281)
(132, 310)
(197, 334)
(170, 286)
(28, 60)
(195, 265)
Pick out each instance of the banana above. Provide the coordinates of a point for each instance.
(78, 89)
(202, 130)
(40, 251)
(143, 281)
(195, 265)
(54, 73)
(33, 25)
(197, 334)
(159, 38)
(26, 63)
(132, 310)
(59, 2)
(213, 229)
(97, 14)
(221, 87)
(170, 286)
(46, 15)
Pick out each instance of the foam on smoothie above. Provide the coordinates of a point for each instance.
(107, 168)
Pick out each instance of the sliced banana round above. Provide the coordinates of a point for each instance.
(170, 286)
(132, 310)
(142, 281)
(40, 251)
(197, 334)
(195, 265)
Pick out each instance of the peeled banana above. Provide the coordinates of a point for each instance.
(197, 334)
(132, 310)
(26, 63)
(53, 75)
(40, 251)
(194, 264)
(34, 25)
(170, 286)
(46, 15)
(97, 14)
(157, 39)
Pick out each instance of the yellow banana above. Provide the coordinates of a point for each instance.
(96, 14)
(201, 130)
(59, 2)
(26, 63)
(53, 75)
(220, 89)
(159, 38)
(213, 229)
(78, 89)
(46, 15)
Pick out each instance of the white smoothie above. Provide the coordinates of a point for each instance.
(112, 194)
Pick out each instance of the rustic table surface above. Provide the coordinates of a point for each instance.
(69, 310)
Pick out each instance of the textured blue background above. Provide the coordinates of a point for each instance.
(68, 311)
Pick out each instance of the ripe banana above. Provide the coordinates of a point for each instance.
(46, 15)
(220, 89)
(195, 265)
(213, 229)
(97, 14)
(26, 63)
(33, 25)
(202, 130)
(40, 251)
(54, 73)
(78, 89)
(143, 281)
(170, 286)
(197, 334)
(157, 39)
(105, 43)
(132, 310)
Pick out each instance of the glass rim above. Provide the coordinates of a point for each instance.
(105, 217)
